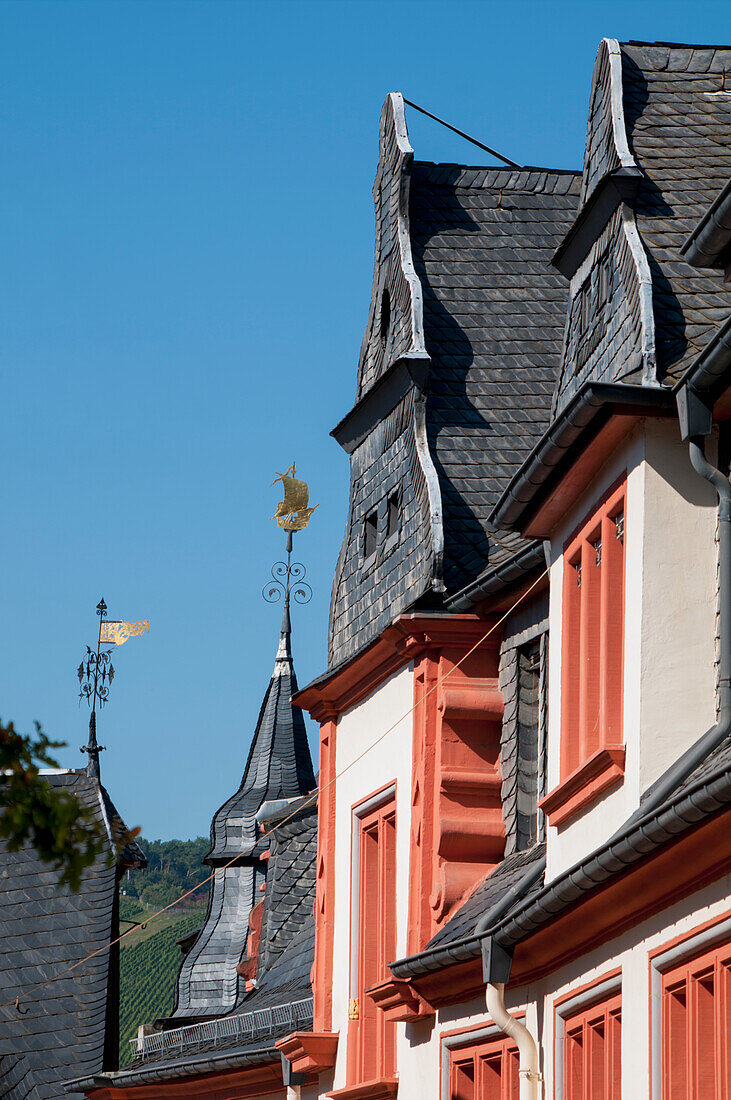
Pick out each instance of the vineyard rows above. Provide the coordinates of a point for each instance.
(147, 980)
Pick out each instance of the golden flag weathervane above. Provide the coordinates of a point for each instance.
(96, 673)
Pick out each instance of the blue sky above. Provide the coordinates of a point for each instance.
(186, 234)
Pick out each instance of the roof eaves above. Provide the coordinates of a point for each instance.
(498, 577)
(128, 1078)
(564, 440)
(688, 808)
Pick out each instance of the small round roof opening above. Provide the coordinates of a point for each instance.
(385, 315)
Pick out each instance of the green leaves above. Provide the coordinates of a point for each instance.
(63, 832)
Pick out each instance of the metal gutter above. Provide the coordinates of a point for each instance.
(525, 561)
(649, 833)
(571, 432)
(709, 245)
(707, 373)
(164, 1071)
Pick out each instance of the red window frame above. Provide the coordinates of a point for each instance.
(484, 1070)
(374, 1049)
(696, 1028)
(592, 1052)
(592, 651)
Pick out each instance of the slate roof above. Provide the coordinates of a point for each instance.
(678, 122)
(288, 899)
(60, 1032)
(279, 766)
(494, 312)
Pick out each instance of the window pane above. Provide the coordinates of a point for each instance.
(528, 762)
(491, 1078)
(463, 1081)
(705, 1038)
(597, 1061)
(675, 1044)
(574, 1065)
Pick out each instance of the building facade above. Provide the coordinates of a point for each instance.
(520, 870)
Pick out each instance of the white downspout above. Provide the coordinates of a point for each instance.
(526, 1044)
(294, 1092)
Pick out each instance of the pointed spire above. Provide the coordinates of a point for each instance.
(284, 653)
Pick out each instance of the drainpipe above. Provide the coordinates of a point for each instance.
(527, 1049)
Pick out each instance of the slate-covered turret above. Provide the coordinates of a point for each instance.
(279, 767)
(454, 385)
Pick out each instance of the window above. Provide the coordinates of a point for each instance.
(385, 315)
(370, 534)
(592, 756)
(392, 517)
(696, 1029)
(530, 751)
(375, 1048)
(592, 1052)
(593, 625)
(484, 1071)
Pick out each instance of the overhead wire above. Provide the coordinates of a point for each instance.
(308, 800)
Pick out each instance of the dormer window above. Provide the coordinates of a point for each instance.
(385, 315)
(370, 534)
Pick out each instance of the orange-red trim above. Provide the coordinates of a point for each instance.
(399, 1001)
(584, 786)
(322, 969)
(457, 833)
(309, 1051)
(380, 1088)
(231, 1084)
(696, 930)
(667, 946)
(580, 990)
(573, 484)
(592, 648)
(406, 639)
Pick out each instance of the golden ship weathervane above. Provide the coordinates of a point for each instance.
(292, 514)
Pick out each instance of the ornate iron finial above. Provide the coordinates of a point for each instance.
(288, 578)
(95, 674)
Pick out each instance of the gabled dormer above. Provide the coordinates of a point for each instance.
(610, 329)
(637, 314)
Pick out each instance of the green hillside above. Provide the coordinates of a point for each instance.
(148, 968)
(150, 955)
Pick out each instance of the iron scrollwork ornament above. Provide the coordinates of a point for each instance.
(288, 579)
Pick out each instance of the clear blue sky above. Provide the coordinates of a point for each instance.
(186, 253)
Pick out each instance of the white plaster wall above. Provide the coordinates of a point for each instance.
(679, 571)
(670, 623)
(387, 762)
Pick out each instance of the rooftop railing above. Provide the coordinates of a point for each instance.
(242, 1028)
